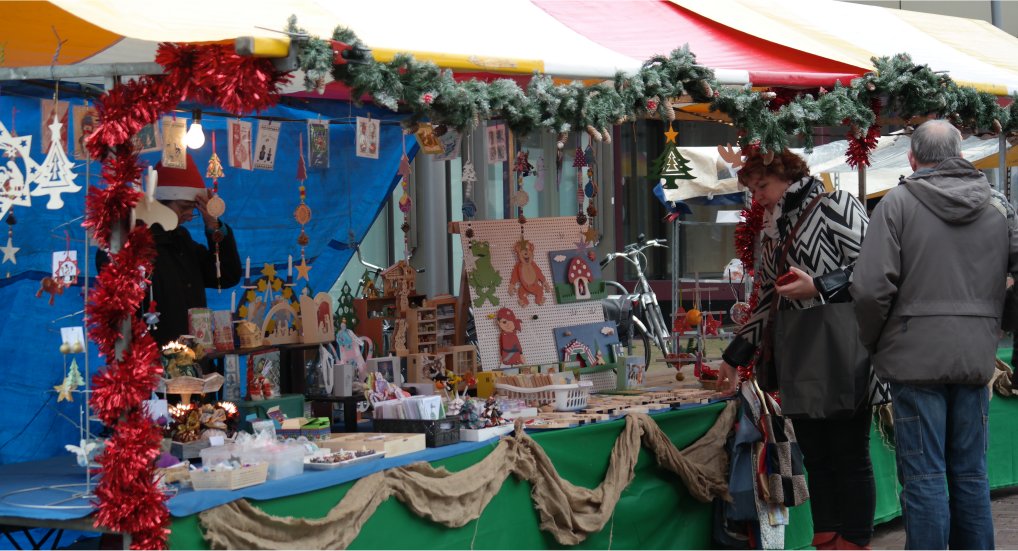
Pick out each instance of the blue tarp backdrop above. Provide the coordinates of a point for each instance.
(344, 199)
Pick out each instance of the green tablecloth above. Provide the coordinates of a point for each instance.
(655, 512)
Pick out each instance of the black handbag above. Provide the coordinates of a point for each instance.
(822, 368)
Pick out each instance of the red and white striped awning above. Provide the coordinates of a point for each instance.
(763, 42)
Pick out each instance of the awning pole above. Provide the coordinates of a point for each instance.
(84, 70)
(1002, 157)
(862, 184)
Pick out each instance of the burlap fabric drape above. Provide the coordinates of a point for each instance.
(568, 512)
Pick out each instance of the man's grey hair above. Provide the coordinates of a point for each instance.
(935, 141)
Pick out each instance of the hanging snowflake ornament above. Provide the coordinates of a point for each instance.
(55, 175)
(14, 182)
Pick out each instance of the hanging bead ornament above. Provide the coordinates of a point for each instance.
(590, 190)
(302, 214)
(215, 207)
(522, 168)
(10, 250)
(405, 203)
(579, 161)
(469, 178)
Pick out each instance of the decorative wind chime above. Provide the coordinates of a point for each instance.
(216, 206)
(302, 214)
(469, 178)
(405, 203)
(586, 192)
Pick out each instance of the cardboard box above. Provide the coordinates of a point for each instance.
(392, 443)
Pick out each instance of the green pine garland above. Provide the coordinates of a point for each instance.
(898, 85)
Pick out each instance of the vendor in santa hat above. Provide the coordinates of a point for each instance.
(183, 267)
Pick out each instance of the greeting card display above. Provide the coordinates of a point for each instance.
(49, 108)
(263, 374)
(239, 134)
(367, 137)
(174, 150)
(429, 142)
(318, 144)
(199, 325)
(265, 147)
(85, 119)
(497, 150)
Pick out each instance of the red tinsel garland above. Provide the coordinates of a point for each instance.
(745, 236)
(129, 500)
(858, 151)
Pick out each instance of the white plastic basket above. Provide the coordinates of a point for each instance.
(569, 397)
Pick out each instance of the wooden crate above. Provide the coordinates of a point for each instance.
(393, 444)
(230, 480)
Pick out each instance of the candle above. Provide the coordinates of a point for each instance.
(247, 269)
(289, 266)
(233, 301)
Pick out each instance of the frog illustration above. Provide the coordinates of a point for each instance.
(484, 278)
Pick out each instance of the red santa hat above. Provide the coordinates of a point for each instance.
(179, 184)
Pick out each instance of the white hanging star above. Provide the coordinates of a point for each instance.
(9, 251)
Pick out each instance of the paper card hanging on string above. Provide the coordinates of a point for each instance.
(428, 141)
(318, 144)
(265, 146)
(147, 139)
(85, 119)
(65, 266)
(239, 134)
(368, 131)
(450, 146)
(174, 151)
(72, 335)
(497, 151)
(46, 109)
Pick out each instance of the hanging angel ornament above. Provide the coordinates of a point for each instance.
(55, 175)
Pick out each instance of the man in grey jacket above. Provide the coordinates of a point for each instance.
(929, 291)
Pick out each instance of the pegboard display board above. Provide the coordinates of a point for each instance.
(537, 335)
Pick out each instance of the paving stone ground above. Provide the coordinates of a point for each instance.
(891, 535)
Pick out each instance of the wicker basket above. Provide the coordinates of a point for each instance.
(230, 480)
(569, 397)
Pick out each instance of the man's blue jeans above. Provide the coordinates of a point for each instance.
(940, 437)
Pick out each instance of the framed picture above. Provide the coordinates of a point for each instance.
(388, 368)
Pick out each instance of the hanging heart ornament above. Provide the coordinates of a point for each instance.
(216, 206)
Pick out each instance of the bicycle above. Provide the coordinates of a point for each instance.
(639, 309)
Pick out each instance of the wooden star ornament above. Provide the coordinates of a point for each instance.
(302, 270)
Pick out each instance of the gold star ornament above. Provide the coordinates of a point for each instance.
(670, 135)
(302, 270)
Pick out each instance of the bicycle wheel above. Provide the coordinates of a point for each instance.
(641, 334)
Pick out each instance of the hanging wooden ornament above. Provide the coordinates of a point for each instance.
(579, 161)
(65, 263)
(10, 250)
(468, 177)
(55, 175)
(216, 207)
(302, 214)
(405, 203)
(671, 166)
(14, 184)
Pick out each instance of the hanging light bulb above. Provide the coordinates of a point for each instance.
(195, 136)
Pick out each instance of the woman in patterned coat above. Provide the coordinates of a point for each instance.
(835, 451)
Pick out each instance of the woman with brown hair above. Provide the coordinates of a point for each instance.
(820, 258)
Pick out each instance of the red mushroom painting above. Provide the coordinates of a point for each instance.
(579, 276)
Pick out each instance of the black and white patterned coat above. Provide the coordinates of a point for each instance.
(825, 247)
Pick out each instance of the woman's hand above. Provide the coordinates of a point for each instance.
(728, 378)
(201, 202)
(800, 289)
